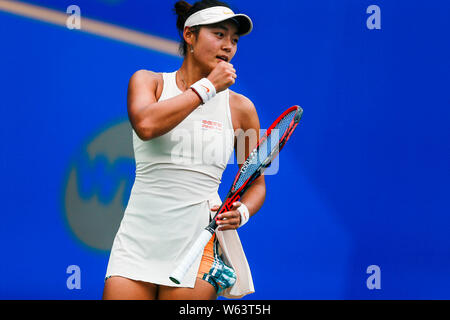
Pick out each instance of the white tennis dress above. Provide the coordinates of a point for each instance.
(177, 178)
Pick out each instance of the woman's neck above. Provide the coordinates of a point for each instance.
(189, 73)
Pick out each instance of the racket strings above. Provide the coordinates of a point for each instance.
(265, 149)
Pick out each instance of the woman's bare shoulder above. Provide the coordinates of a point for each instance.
(147, 76)
(148, 81)
(243, 110)
(240, 101)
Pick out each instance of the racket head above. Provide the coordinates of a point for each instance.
(286, 123)
(267, 148)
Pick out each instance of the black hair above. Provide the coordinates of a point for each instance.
(184, 10)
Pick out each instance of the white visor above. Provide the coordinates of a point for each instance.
(218, 14)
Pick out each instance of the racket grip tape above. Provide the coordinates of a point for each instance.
(196, 249)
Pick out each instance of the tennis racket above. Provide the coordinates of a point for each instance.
(259, 159)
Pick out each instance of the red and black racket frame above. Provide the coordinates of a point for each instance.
(234, 195)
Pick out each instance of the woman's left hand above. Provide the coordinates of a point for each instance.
(230, 219)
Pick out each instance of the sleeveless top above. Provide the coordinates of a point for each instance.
(177, 179)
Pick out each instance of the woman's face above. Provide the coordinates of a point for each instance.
(216, 43)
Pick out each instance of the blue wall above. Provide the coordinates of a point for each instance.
(364, 181)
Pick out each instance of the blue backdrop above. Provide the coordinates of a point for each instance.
(364, 181)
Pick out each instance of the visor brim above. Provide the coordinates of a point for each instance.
(244, 23)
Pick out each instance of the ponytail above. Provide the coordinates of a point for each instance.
(181, 9)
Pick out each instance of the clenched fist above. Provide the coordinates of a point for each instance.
(222, 76)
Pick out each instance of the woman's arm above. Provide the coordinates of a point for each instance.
(247, 136)
(151, 118)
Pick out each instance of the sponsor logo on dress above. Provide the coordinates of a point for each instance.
(212, 125)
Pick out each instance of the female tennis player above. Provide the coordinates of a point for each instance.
(186, 125)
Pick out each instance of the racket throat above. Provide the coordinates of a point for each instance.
(212, 227)
(227, 206)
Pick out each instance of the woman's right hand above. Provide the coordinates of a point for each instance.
(223, 76)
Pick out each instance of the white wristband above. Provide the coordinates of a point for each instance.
(245, 214)
(205, 89)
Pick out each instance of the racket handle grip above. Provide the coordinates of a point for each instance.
(196, 249)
